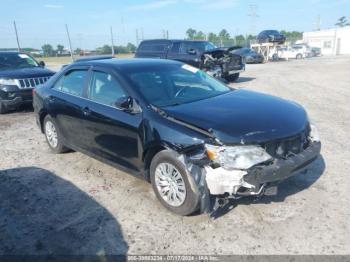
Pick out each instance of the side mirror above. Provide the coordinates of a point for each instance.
(124, 103)
(127, 104)
(42, 63)
(191, 51)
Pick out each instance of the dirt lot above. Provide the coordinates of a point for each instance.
(71, 203)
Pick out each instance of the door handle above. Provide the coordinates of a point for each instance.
(86, 111)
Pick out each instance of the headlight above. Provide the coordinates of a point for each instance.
(237, 157)
(8, 82)
(314, 135)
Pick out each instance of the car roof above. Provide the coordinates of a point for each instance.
(127, 63)
(171, 40)
(269, 30)
(10, 52)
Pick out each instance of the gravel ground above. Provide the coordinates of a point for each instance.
(72, 204)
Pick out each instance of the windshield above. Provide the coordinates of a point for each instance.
(200, 46)
(16, 61)
(169, 85)
(243, 51)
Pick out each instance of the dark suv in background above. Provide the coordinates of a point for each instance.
(218, 62)
(271, 36)
(19, 74)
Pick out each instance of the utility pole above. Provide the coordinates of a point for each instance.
(18, 46)
(113, 53)
(167, 34)
(142, 37)
(137, 37)
(70, 44)
(253, 18)
(318, 23)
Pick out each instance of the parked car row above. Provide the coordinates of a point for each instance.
(198, 141)
(298, 51)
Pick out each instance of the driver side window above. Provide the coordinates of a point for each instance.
(104, 89)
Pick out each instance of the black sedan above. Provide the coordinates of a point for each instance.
(271, 36)
(195, 139)
(19, 74)
(250, 56)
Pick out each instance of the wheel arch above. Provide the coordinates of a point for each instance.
(42, 116)
(147, 157)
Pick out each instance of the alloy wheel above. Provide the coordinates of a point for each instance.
(51, 134)
(170, 184)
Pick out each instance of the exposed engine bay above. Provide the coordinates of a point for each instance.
(221, 63)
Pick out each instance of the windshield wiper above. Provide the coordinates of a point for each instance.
(175, 104)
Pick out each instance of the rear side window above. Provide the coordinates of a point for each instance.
(105, 89)
(72, 82)
(175, 48)
(153, 47)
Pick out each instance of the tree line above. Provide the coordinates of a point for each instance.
(49, 50)
(223, 38)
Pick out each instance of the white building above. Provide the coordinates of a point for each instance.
(335, 41)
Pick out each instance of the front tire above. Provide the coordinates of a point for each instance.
(232, 78)
(299, 56)
(53, 136)
(173, 184)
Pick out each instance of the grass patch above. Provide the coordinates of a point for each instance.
(67, 59)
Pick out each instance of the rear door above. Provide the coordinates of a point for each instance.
(153, 49)
(66, 105)
(111, 133)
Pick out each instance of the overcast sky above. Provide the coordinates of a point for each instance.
(42, 21)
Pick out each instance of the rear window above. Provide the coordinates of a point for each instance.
(153, 47)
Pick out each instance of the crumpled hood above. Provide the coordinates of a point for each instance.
(242, 116)
(218, 52)
(26, 73)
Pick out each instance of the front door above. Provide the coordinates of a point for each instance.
(111, 133)
(180, 51)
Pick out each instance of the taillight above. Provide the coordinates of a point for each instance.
(33, 91)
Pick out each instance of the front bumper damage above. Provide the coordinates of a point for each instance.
(12, 97)
(218, 183)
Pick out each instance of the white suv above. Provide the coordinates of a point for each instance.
(296, 51)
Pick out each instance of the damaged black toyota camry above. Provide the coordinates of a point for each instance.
(195, 139)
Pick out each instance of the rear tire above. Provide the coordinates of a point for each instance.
(2, 108)
(275, 57)
(166, 172)
(232, 78)
(53, 136)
